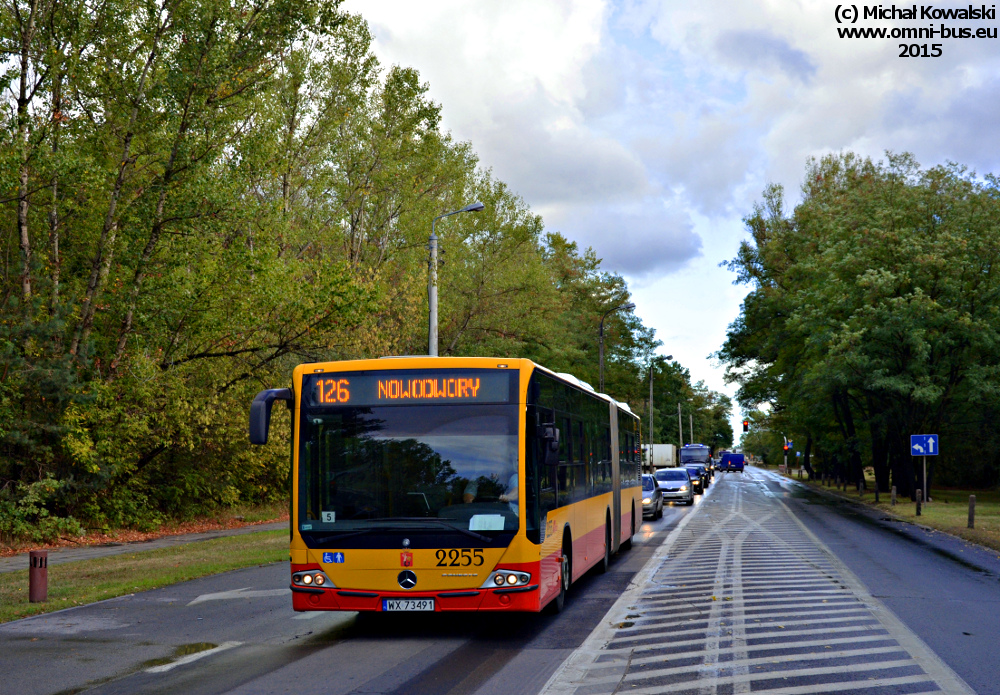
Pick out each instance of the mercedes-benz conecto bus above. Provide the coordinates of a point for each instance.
(437, 484)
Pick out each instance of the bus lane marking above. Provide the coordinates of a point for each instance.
(742, 599)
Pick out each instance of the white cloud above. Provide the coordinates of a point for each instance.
(647, 128)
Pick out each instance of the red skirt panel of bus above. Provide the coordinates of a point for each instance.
(588, 550)
(513, 598)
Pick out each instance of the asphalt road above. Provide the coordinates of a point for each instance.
(945, 590)
(236, 633)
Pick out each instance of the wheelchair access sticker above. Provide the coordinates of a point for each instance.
(335, 558)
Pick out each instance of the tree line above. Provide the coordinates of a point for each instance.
(198, 195)
(874, 314)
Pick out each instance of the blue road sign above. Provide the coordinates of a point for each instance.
(924, 445)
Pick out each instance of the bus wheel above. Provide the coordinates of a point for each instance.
(565, 574)
(604, 564)
(627, 544)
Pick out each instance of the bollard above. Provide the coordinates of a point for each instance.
(38, 576)
(893, 496)
(920, 499)
(876, 493)
(972, 511)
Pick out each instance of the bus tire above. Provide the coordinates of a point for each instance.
(605, 563)
(565, 573)
(627, 544)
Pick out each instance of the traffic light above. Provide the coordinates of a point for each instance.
(746, 425)
(786, 446)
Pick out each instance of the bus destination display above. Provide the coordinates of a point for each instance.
(398, 388)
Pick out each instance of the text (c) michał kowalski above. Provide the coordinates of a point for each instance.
(928, 12)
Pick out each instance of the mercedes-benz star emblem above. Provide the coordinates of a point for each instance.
(407, 579)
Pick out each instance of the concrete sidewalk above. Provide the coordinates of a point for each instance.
(61, 555)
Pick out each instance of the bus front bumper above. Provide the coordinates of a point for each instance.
(515, 598)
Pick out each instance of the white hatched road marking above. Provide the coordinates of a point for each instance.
(743, 598)
(192, 657)
(239, 593)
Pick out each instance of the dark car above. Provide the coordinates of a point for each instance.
(676, 484)
(652, 497)
(699, 476)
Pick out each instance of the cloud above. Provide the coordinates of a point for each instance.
(552, 162)
(764, 51)
(639, 240)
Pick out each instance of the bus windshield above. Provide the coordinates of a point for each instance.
(408, 467)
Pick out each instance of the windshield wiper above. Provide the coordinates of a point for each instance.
(442, 524)
(322, 538)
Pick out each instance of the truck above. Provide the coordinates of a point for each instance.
(663, 455)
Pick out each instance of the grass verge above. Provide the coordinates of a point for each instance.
(86, 581)
(947, 511)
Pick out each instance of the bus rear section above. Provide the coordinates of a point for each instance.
(410, 491)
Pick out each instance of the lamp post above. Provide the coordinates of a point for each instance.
(432, 280)
(652, 361)
(628, 306)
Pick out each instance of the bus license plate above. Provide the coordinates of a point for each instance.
(407, 604)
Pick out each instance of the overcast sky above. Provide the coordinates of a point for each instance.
(647, 129)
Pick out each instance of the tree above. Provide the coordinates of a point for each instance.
(872, 314)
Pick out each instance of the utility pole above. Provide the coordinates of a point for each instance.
(652, 361)
(680, 429)
(649, 444)
(691, 426)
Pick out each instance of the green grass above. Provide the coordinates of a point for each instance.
(947, 511)
(86, 581)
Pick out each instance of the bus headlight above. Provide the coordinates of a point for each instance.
(506, 578)
(312, 578)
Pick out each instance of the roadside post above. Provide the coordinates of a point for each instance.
(924, 445)
(893, 496)
(38, 576)
(972, 511)
(920, 499)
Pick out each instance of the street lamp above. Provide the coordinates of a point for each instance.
(432, 280)
(629, 306)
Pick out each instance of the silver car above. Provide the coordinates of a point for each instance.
(675, 484)
(652, 497)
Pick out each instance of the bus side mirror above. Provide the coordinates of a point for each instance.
(260, 412)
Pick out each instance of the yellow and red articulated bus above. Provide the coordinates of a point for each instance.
(451, 484)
